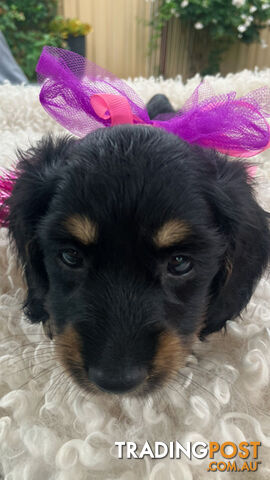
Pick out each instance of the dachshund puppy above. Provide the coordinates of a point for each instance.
(134, 243)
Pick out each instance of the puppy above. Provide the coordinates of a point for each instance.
(134, 243)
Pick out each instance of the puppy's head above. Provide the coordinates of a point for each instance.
(133, 243)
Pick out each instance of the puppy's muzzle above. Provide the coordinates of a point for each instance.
(117, 381)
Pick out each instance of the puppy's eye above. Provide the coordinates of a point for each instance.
(178, 265)
(71, 257)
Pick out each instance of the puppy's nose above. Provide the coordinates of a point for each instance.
(117, 381)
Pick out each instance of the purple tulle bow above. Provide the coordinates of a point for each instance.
(82, 97)
(7, 178)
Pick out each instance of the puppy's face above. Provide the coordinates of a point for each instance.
(132, 246)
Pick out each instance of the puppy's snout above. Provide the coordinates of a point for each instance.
(117, 381)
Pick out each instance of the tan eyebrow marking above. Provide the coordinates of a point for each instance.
(170, 233)
(82, 228)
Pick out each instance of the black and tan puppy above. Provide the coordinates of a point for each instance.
(133, 243)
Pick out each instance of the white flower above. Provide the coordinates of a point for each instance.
(252, 9)
(184, 3)
(248, 20)
(240, 35)
(238, 3)
(263, 44)
(198, 26)
(265, 6)
(241, 28)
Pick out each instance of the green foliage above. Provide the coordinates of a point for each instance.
(25, 25)
(69, 26)
(224, 21)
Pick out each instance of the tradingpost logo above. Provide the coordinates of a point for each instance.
(223, 457)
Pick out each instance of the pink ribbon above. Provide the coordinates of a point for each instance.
(114, 107)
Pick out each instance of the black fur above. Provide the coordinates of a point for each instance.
(130, 180)
(158, 105)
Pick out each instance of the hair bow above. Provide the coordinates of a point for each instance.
(82, 97)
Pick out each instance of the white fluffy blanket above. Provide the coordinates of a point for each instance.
(50, 431)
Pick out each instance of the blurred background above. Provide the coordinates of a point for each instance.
(138, 37)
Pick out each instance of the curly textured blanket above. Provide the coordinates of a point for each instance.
(49, 430)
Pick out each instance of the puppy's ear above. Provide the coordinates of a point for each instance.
(159, 104)
(39, 170)
(245, 229)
